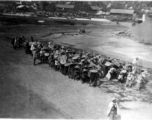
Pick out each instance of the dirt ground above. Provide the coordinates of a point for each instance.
(29, 91)
(17, 99)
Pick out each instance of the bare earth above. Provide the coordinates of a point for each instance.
(29, 91)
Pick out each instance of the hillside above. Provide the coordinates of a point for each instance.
(143, 32)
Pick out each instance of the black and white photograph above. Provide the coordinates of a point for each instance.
(73, 59)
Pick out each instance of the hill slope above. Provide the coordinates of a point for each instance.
(143, 32)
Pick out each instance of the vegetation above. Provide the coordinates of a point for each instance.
(138, 6)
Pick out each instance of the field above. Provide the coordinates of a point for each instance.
(29, 91)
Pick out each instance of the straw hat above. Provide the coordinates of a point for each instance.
(114, 99)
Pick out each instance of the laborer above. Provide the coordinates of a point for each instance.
(134, 64)
(140, 79)
(112, 109)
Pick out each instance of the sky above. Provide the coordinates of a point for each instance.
(75, 0)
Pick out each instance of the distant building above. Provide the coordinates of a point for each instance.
(18, 3)
(95, 8)
(122, 12)
(60, 7)
(77, 8)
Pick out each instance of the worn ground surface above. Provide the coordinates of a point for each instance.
(142, 32)
(29, 91)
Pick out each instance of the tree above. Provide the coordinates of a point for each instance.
(51, 7)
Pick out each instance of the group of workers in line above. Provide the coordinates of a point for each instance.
(84, 66)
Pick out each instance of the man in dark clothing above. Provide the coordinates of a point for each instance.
(84, 76)
(27, 47)
(51, 60)
(77, 72)
(32, 39)
(112, 109)
(71, 70)
(94, 77)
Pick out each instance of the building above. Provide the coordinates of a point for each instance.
(122, 12)
(77, 8)
(95, 8)
(66, 8)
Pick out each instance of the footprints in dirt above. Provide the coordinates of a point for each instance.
(124, 94)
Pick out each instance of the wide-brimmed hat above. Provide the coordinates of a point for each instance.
(46, 54)
(75, 57)
(62, 53)
(34, 43)
(77, 66)
(114, 99)
(108, 63)
(123, 71)
(84, 70)
(83, 56)
(137, 58)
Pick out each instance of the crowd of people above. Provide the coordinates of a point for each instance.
(71, 15)
(81, 65)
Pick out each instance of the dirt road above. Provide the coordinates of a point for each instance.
(17, 98)
(39, 92)
(29, 91)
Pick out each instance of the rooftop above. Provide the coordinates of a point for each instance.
(64, 6)
(122, 11)
(95, 8)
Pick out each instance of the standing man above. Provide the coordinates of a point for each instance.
(113, 109)
(134, 66)
(134, 62)
(130, 79)
(110, 73)
(63, 60)
(141, 79)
